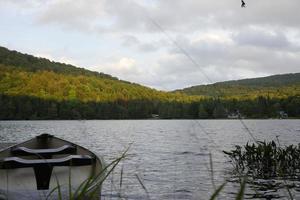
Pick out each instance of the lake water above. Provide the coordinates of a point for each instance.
(169, 157)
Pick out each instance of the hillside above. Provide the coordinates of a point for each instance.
(33, 64)
(280, 86)
(26, 75)
(37, 88)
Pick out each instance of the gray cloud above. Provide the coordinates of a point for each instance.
(129, 40)
(191, 15)
(172, 15)
(263, 38)
(233, 59)
(80, 14)
(148, 47)
(134, 42)
(226, 41)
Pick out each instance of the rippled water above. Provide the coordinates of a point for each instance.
(170, 157)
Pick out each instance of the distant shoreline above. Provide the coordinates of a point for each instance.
(3, 120)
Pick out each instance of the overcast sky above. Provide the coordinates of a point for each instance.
(165, 44)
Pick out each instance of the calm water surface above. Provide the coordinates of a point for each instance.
(170, 157)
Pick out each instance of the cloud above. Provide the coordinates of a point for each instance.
(24, 4)
(79, 14)
(126, 64)
(129, 40)
(228, 56)
(190, 15)
(153, 42)
(148, 47)
(172, 15)
(145, 46)
(125, 68)
(262, 37)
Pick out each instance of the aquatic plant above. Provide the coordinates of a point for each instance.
(266, 160)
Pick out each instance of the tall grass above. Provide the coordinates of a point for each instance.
(88, 189)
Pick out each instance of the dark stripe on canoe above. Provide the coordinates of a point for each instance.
(24, 151)
(72, 160)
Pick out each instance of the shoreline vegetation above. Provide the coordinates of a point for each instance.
(33, 108)
(267, 167)
(34, 88)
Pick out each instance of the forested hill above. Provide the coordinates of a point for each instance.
(37, 88)
(26, 75)
(282, 85)
(33, 64)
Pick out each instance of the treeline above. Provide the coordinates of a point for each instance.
(260, 107)
(32, 108)
(25, 107)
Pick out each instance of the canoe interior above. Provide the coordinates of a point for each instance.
(18, 183)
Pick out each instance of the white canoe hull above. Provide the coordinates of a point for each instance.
(34, 169)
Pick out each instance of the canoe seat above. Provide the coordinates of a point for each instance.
(43, 167)
(24, 151)
(72, 160)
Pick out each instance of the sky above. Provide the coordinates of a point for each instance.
(163, 44)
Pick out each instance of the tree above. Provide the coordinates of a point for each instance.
(219, 112)
(202, 113)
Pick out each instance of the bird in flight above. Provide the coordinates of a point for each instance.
(243, 4)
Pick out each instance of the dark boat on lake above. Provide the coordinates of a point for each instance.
(47, 167)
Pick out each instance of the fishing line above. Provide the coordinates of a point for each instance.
(195, 63)
(175, 43)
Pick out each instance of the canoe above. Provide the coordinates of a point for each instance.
(47, 167)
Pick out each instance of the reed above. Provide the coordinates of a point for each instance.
(88, 189)
(266, 160)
